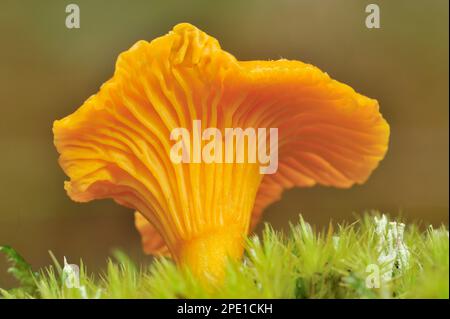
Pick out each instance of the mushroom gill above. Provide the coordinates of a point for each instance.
(117, 144)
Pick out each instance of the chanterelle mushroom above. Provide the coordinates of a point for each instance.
(117, 144)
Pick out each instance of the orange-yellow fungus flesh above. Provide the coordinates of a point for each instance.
(117, 144)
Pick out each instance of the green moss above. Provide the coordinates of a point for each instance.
(368, 259)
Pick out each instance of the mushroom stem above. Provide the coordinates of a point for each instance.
(206, 255)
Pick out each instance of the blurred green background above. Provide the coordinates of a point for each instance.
(47, 71)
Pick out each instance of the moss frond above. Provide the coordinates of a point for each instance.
(371, 258)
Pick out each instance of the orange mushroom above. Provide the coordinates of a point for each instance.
(117, 144)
